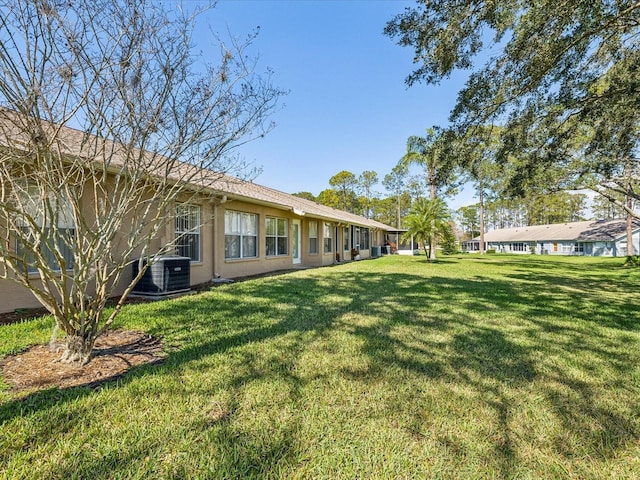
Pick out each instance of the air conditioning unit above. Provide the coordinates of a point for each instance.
(165, 275)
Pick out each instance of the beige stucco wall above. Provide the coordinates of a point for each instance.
(14, 296)
(212, 262)
(232, 268)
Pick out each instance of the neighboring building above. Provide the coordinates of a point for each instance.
(241, 228)
(602, 238)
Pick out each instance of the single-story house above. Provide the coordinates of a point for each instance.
(598, 238)
(241, 228)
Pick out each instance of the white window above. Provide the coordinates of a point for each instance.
(328, 238)
(277, 236)
(313, 237)
(357, 238)
(54, 243)
(240, 235)
(187, 231)
(364, 239)
(518, 247)
(345, 238)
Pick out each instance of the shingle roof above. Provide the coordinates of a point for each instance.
(79, 144)
(250, 191)
(587, 231)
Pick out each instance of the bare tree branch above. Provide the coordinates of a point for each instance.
(107, 120)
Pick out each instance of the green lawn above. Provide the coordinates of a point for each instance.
(494, 367)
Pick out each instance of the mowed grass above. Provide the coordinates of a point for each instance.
(493, 367)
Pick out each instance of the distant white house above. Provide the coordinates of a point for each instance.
(598, 238)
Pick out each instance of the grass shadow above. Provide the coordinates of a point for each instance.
(493, 335)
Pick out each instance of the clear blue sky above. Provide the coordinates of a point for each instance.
(348, 107)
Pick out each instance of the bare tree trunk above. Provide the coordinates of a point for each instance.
(433, 194)
(481, 214)
(77, 349)
(630, 249)
(629, 204)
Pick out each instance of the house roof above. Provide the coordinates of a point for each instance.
(249, 191)
(78, 144)
(586, 231)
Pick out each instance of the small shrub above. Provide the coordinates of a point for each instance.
(632, 261)
(450, 247)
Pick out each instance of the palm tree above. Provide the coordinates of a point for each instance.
(431, 153)
(428, 223)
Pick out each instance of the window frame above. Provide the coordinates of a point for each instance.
(279, 235)
(185, 229)
(313, 239)
(243, 237)
(365, 243)
(65, 226)
(518, 247)
(327, 235)
(356, 238)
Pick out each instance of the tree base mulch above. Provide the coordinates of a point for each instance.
(115, 352)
